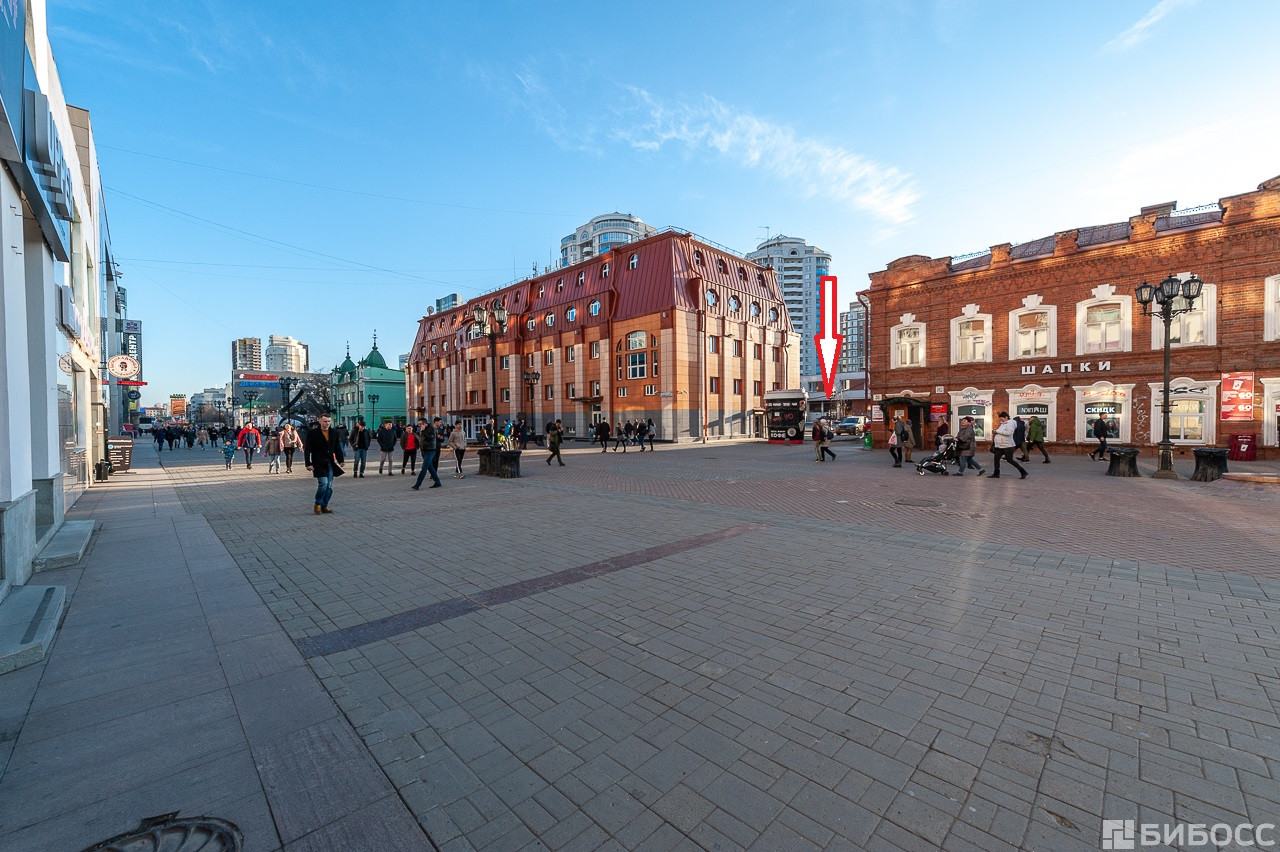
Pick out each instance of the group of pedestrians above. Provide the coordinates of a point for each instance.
(1012, 436)
(628, 433)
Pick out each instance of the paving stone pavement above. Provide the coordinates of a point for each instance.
(1001, 670)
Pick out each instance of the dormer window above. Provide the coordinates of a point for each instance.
(604, 271)
(582, 278)
(721, 266)
(542, 290)
(742, 273)
(697, 258)
(594, 308)
(559, 284)
(633, 261)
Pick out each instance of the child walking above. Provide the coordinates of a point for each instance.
(229, 452)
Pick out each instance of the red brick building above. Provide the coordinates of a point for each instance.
(668, 328)
(1052, 327)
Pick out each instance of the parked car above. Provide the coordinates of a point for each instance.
(849, 426)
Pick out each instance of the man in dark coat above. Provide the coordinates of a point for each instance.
(322, 452)
(429, 444)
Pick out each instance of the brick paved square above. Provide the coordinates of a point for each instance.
(1001, 670)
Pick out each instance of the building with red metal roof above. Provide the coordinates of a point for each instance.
(670, 328)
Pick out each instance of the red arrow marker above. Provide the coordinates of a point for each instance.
(829, 341)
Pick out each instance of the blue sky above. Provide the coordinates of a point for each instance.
(306, 169)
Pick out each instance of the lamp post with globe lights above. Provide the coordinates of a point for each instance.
(492, 323)
(1170, 298)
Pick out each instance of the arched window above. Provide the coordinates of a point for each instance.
(604, 271)
(906, 343)
(582, 277)
(735, 304)
(531, 324)
(636, 340)
(697, 258)
(721, 266)
(542, 290)
(571, 314)
(742, 273)
(712, 298)
(559, 284)
(971, 336)
(550, 319)
(755, 309)
(594, 307)
(633, 261)
(773, 315)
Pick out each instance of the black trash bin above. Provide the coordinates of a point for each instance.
(1211, 463)
(1124, 462)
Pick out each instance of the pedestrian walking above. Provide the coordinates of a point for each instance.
(272, 451)
(158, 434)
(386, 437)
(966, 446)
(1035, 439)
(202, 437)
(642, 429)
(629, 433)
(906, 438)
(555, 434)
(899, 440)
(619, 437)
(429, 442)
(1002, 446)
(1020, 438)
(290, 441)
(249, 440)
(1101, 432)
(359, 448)
(651, 432)
(322, 455)
(458, 443)
(603, 430)
(229, 452)
(409, 445)
(821, 440)
(190, 436)
(941, 432)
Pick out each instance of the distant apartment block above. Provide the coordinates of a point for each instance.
(601, 234)
(246, 353)
(284, 354)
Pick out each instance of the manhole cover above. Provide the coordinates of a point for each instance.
(927, 504)
(169, 833)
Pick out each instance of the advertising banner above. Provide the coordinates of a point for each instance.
(177, 405)
(1237, 396)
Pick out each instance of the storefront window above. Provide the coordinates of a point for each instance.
(979, 415)
(1110, 412)
(1186, 420)
(71, 451)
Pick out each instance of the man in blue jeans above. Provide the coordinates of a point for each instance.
(322, 451)
(429, 441)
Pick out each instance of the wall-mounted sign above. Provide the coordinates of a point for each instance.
(1102, 408)
(123, 366)
(47, 180)
(134, 395)
(1032, 409)
(1079, 367)
(1237, 396)
(132, 326)
(130, 383)
(13, 57)
(261, 377)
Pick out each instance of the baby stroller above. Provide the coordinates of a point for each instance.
(937, 463)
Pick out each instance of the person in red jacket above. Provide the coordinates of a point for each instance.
(249, 440)
(409, 443)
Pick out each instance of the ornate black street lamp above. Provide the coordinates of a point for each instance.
(531, 378)
(286, 389)
(1159, 301)
(373, 410)
(250, 396)
(232, 402)
(492, 323)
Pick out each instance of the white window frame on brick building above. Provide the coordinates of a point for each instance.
(1205, 393)
(906, 322)
(1270, 410)
(1104, 294)
(1103, 392)
(1206, 311)
(978, 404)
(1036, 395)
(964, 348)
(1271, 310)
(1031, 305)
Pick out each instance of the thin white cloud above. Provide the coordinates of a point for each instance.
(1140, 31)
(816, 168)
